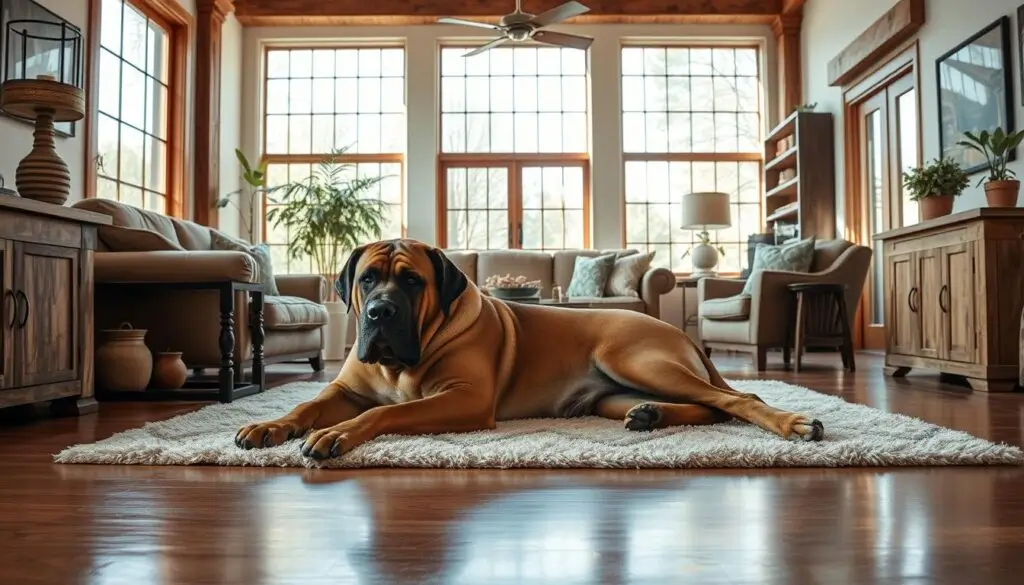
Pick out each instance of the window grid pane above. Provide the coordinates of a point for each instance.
(678, 101)
(335, 98)
(514, 100)
(476, 201)
(131, 137)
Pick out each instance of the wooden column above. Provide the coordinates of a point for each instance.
(787, 39)
(209, 23)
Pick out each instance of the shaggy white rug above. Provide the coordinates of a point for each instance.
(855, 435)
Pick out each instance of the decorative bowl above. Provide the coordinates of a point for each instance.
(515, 293)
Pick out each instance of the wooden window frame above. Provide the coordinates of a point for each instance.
(513, 161)
(905, 59)
(178, 23)
(314, 159)
(691, 157)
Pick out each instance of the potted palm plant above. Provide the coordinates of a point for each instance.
(328, 215)
(935, 185)
(251, 195)
(1002, 186)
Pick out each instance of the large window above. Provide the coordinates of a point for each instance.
(323, 99)
(691, 121)
(138, 134)
(514, 144)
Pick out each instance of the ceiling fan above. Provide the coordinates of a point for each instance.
(522, 26)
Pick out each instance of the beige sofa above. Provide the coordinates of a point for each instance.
(143, 246)
(556, 269)
(758, 321)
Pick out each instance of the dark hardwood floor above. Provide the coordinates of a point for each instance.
(104, 525)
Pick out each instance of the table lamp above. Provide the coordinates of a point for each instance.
(43, 84)
(705, 211)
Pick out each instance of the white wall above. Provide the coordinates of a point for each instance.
(16, 136)
(231, 221)
(830, 25)
(423, 97)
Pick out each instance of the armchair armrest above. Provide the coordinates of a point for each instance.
(174, 266)
(718, 288)
(654, 283)
(311, 287)
(771, 300)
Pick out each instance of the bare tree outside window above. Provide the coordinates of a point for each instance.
(326, 98)
(691, 121)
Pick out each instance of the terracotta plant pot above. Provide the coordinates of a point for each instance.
(1002, 193)
(936, 206)
(123, 362)
(169, 371)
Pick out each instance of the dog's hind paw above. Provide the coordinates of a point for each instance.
(809, 429)
(643, 417)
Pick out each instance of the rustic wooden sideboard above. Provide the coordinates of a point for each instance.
(46, 304)
(954, 289)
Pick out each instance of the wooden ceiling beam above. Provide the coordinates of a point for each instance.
(405, 12)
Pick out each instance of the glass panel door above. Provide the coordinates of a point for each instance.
(477, 207)
(902, 104)
(874, 160)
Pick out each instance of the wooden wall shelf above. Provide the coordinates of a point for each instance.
(799, 180)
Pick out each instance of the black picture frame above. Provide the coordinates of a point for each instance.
(30, 10)
(985, 61)
(1020, 49)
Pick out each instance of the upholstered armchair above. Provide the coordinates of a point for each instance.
(757, 321)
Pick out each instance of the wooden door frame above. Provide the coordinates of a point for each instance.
(906, 59)
(873, 336)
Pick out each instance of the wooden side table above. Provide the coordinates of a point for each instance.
(833, 329)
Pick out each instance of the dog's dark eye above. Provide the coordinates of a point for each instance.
(412, 280)
(366, 278)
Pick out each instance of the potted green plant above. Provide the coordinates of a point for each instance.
(328, 215)
(935, 185)
(1002, 186)
(251, 194)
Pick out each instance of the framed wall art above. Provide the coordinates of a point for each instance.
(975, 90)
(38, 58)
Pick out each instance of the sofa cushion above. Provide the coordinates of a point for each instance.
(590, 276)
(189, 235)
(465, 261)
(282, 313)
(565, 263)
(734, 308)
(123, 239)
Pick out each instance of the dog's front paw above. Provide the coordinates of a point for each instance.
(807, 429)
(267, 434)
(328, 443)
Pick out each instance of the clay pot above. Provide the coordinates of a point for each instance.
(936, 206)
(123, 362)
(169, 371)
(1002, 193)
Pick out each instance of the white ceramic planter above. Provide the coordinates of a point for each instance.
(336, 331)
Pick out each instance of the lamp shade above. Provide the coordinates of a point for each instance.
(705, 211)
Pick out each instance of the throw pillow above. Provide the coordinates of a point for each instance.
(590, 275)
(791, 257)
(260, 253)
(624, 280)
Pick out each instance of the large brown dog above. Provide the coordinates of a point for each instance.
(435, 355)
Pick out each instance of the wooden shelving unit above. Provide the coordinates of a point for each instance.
(799, 177)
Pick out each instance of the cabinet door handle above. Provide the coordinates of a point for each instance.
(910, 299)
(9, 294)
(944, 293)
(24, 300)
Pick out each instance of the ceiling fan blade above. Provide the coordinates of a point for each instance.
(487, 47)
(559, 13)
(463, 22)
(561, 39)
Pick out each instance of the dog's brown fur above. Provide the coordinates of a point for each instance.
(483, 360)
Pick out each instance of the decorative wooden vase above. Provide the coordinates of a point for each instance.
(169, 371)
(123, 362)
(43, 175)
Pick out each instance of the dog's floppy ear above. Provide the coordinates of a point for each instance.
(348, 276)
(451, 282)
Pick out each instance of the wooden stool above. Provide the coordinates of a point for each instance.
(834, 297)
